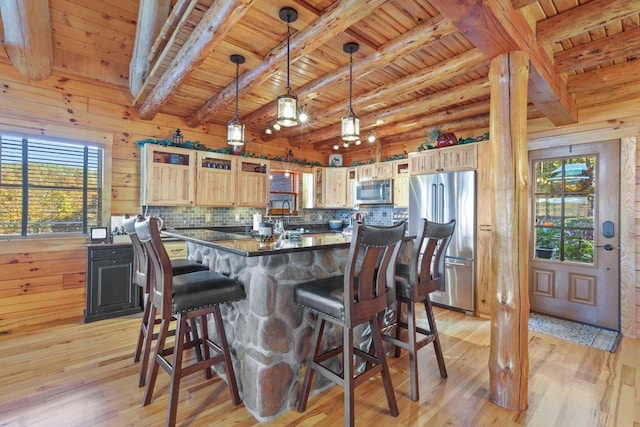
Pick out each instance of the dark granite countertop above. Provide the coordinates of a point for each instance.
(245, 244)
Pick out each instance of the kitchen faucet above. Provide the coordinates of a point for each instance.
(288, 210)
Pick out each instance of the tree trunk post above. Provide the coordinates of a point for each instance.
(509, 357)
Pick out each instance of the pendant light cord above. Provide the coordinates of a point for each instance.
(237, 68)
(350, 79)
(288, 58)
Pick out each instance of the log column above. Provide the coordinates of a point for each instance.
(509, 357)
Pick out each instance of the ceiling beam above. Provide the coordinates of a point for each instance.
(403, 111)
(337, 19)
(588, 17)
(27, 36)
(151, 16)
(439, 73)
(403, 45)
(599, 51)
(208, 34)
(495, 27)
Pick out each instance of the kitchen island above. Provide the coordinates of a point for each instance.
(268, 332)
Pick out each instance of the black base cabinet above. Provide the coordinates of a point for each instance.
(110, 292)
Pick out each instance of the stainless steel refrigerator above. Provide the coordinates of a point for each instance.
(442, 197)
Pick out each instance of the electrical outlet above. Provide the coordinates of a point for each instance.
(319, 216)
(237, 217)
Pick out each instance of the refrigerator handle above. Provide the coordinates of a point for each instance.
(441, 203)
(434, 202)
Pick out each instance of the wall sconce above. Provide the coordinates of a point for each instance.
(177, 138)
(235, 128)
(350, 122)
(287, 104)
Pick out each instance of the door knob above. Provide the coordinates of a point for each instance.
(607, 247)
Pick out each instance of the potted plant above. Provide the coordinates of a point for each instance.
(547, 239)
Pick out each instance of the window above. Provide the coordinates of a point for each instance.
(49, 186)
(565, 209)
(283, 192)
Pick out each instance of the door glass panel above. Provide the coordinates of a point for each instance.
(564, 209)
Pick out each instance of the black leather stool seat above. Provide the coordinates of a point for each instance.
(203, 289)
(324, 295)
(184, 266)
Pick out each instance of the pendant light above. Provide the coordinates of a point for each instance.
(287, 104)
(350, 122)
(235, 128)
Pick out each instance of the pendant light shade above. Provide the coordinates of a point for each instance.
(350, 122)
(287, 104)
(235, 128)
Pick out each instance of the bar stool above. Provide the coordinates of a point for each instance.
(140, 278)
(349, 300)
(185, 297)
(414, 283)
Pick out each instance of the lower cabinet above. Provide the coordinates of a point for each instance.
(110, 292)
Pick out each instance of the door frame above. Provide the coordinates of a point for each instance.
(627, 213)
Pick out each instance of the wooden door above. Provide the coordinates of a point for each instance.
(217, 177)
(575, 254)
(336, 188)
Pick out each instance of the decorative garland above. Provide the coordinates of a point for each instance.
(196, 145)
(431, 143)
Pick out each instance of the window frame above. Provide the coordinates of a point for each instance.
(98, 139)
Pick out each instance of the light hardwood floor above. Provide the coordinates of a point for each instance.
(84, 375)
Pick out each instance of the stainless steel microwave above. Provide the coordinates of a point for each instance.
(378, 192)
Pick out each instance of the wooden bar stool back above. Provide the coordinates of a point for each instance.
(414, 282)
(186, 297)
(141, 278)
(349, 300)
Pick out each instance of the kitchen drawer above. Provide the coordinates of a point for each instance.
(111, 252)
(176, 249)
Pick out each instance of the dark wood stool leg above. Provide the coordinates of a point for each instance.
(203, 352)
(398, 349)
(413, 350)
(153, 374)
(347, 374)
(386, 375)
(144, 327)
(228, 363)
(308, 375)
(148, 339)
(436, 339)
(176, 369)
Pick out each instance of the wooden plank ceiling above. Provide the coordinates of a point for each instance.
(420, 63)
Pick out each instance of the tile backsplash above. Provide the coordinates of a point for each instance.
(200, 216)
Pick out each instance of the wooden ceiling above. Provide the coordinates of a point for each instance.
(420, 63)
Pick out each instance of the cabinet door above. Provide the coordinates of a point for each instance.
(217, 180)
(383, 170)
(110, 292)
(459, 157)
(424, 162)
(336, 188)
(319, 187)
(253, 183)
(168, 176)
(366, 172)
(352, 181)
(401, 184)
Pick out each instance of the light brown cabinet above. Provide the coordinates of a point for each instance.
(458, 157)
(371, 171)
(401, 183)
(253, 182)
(318, 186)
(216, 179)
(335, 187)
(352, 181)
(168, 176)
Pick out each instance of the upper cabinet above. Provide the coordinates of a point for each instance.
(335, 188)
(216, 183)
(168, 176)
(458, 157)
(318, 185)
(352, 181)
(371, 171)
(253, 182)
(401, 183)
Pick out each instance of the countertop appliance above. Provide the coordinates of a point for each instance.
(442, 197)
(376, 192)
